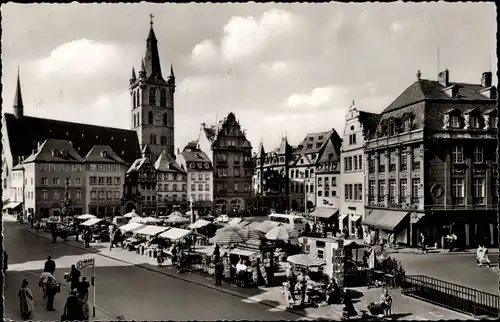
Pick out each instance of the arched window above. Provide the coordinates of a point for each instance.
(151, 139)
(138, 98)
(134, 102)
(152, 96)
(163, 98)
(165, 119)
(135, 120)
(163, 140)
(150, 117)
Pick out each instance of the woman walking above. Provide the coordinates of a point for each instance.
(26, 301)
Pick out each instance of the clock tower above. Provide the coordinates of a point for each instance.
(152, 101)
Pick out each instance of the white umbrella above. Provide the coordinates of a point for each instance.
(86, 217)
(176, 219)
(305, 260)
(227, 237)
(139, 220)
(200, 223)
(131, 215)
(175, 213)
(152, 219)
(278, 233)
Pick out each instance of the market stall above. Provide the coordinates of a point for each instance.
(147, 234)
(99, 228)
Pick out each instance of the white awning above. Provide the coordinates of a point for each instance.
(150, 230)
(91, 222)
(131, 226)
(355, 218)
(12, 205)
(235, 221)
(200, 223)
(175, 233)
(341, 217)
(241, 252)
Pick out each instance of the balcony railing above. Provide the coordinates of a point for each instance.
(403, 167)
(458, 201)
(392, 200)
(415, 165)
(403, 200)
(381, 168)
(415, 200)
(392, 167)
(371, 170)
(381, 199)
(479, 200)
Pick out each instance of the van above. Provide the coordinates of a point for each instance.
(293, 221)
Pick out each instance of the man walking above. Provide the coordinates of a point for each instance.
(50, 266)
(83, 288)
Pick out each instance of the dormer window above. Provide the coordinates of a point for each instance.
(103, 154)
(54, 153)
(311, 139)
(192, 165)
(64, 153)
(474, 122)
(455, 121)
(392, 129)
(309, 146)
(320, 137)
(318, 144)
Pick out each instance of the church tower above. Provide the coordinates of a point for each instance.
(18, 100)
(152, 100)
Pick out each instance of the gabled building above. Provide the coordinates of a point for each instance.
(358, 126)
(47, 170)
(199, 177)
(140, 186)
(271, 177)
(303, 165)
(171, 184)
(231, 158)
(104, 181)
(432, 165)
(16, 203)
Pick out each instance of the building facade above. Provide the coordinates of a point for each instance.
(16, 203)
(439, 176)
(140, 186)
(233, 167)
(271, 186)
(104, 181)
(358, 125)
(302, 168)
(200, 184)
(152, 101)
(46, 172)
(171, 184)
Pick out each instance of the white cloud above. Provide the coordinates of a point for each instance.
(204, 53)
(276, 68)
(81, 57)
(246, 37)
(318, 97)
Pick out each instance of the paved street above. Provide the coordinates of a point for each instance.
(460, 269)
(122, 290)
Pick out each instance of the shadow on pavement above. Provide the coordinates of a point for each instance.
(397, 316)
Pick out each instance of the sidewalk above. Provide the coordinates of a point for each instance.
(404, 308)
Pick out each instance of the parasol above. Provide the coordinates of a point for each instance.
(200, 223)
(227, 237)
(139, 220)
(279, 233)
(305, 260)
(174, 218)
(130, 215)
(86, 217)
(251, 233)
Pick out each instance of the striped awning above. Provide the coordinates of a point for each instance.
(227, 237)
(323, 212)
(305, 260)
(385, 219)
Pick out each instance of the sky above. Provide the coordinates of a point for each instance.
(283, 69)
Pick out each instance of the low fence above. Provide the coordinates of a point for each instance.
(456, 297)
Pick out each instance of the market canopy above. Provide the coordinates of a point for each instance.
(305, 260)
(242, 252)
(176, 219)
(86, 217)
(265, 226)
(131, 226)
(131, 215)
(235, 221)
(228, 228)
(251, 233)
(12, 205)
(91, 222)
(150, 230)
(200, 223)
(175, 233)
(350, 243)
(323, 212)
(151, 219)
(227, 237)
(385, 219)
(355, 218)
(281, 233)
(244, 223)
(138, 220)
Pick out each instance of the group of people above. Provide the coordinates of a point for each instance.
(76, 307)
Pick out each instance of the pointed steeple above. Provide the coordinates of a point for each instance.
(18, 99)
(133, 78)
(260, 151)
(142, 71)
(171, 71)
(152, 58)
(146, 152)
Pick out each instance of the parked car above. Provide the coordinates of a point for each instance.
(223, 219)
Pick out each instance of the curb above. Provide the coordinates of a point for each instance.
(206, 285)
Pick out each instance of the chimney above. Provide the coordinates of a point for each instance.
(444, 78)
(486, 79)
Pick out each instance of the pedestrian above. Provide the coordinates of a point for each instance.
(42, 283)
(74, 277)
(159, 258)
(52, 288)
(181, 262)
(174, 255)
(31, 219)
(50, 265)
(87, 237)
(83, 288)
(73, 309)
(216, 253)
(54, 235)
(26, 301)
(219, 270)
(37, 225)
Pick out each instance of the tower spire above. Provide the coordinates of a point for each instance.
(152, 58)
(172, 70)
(18, 98)
(133, 78)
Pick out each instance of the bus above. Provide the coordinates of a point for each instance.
(293, 221)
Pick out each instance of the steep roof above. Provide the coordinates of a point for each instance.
(25, 133)
(137, 164)
(53, 150)
(166, 163)
(313, 142)
(109, 156)
(195, 156)
(424, 89)
(283, 146)
(152, 57)
(18, 98)
(369, 121)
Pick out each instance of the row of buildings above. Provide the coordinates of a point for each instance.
(427, 164)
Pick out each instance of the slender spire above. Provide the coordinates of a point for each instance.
(18, 98)
(152, 58)
(172, 75)
(133, 74)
